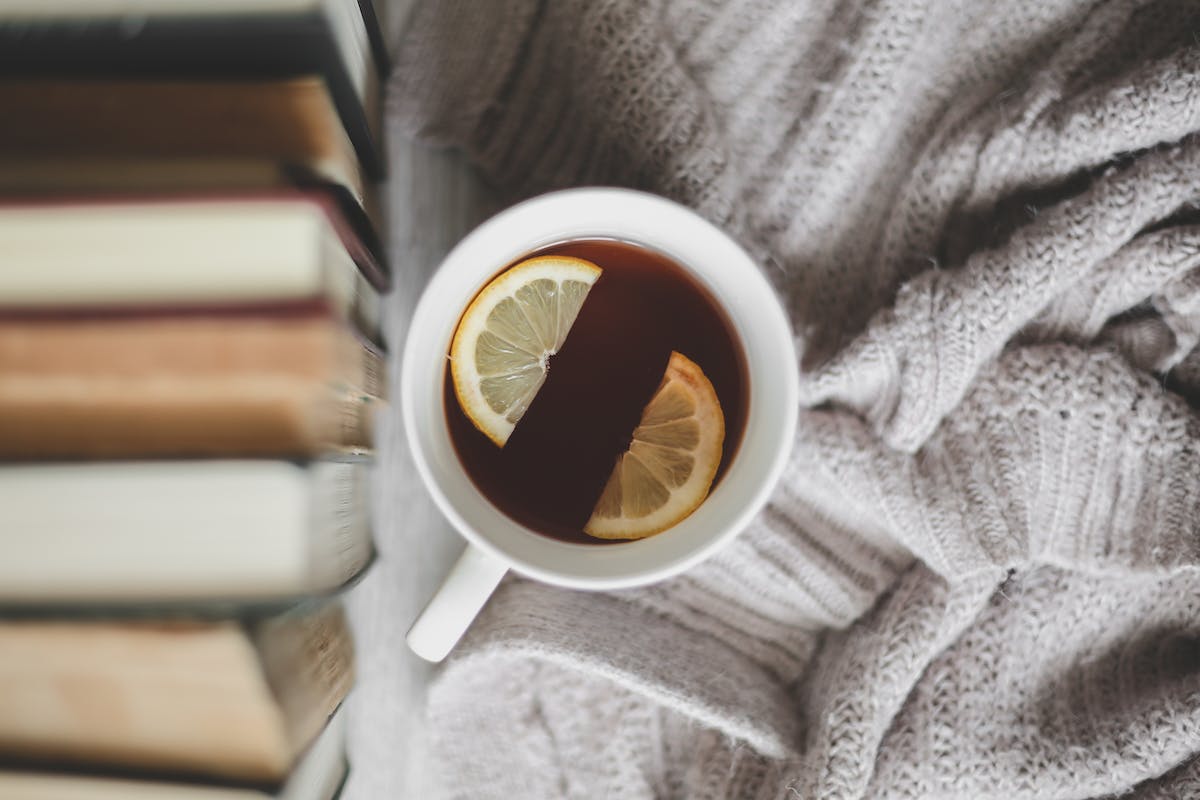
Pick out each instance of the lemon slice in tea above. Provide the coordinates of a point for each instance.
(499, 355)
(671, 461)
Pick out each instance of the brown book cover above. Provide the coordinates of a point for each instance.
(291, 119)
(280, 384)
(197, 40)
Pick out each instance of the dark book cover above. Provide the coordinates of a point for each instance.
(251, 45)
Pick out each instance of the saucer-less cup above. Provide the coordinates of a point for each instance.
(496, 543)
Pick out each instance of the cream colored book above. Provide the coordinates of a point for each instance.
(180, 531)
(35, 176)
(221, 699)
(91, 253)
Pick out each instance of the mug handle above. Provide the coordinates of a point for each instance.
(462, 594)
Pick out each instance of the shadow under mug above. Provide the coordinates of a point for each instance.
(495, 542)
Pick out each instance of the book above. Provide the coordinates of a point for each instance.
(289, 120)
(41, 176)
(174, 533)
(293, 382)
(232, 699)
(185, 250)
(206, 39)
(320, 774)
(131, 175)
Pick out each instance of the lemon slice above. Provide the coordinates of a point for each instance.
(671, 461)
(499, 355)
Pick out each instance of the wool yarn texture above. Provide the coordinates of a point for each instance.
(980, 574)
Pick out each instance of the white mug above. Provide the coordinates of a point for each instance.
(495, 542)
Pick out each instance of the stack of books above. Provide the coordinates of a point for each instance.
(190, 365)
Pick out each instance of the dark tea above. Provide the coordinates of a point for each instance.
(554, 466)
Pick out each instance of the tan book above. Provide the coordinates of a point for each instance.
(319, 775)
(226, 699)
(271, 384)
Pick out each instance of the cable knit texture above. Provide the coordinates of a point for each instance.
(980, 575)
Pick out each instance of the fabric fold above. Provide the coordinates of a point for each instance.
(923, 354)
(979, 575)
(1058, 688)
(604, 636)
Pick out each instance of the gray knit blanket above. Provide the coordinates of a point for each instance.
(980, 576)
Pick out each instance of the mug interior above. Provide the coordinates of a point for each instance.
(722, 267)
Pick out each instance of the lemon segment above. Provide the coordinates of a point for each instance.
(671, 461)
(501, 350)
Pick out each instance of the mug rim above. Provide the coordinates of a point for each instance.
(713, 258)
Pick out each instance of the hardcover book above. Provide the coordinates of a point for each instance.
(175, 532)
(238, 700)
(205, 40)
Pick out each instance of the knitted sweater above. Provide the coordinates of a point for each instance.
(980, 574)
